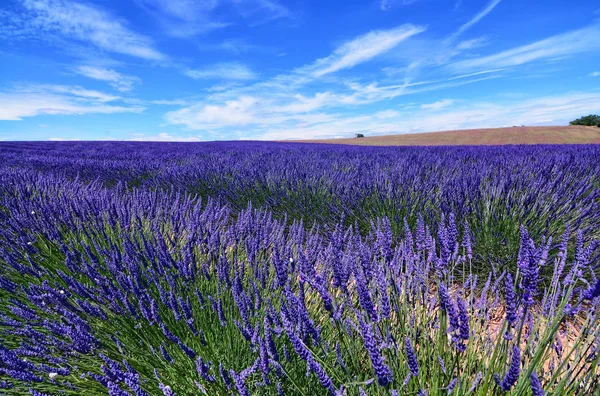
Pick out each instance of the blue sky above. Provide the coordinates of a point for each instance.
(273, 69)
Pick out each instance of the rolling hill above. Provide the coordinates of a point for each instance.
(488, 136)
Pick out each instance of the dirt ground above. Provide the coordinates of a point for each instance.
(489, 136)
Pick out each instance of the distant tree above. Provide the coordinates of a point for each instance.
(590, 120)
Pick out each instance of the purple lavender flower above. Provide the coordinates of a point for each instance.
(271, 347)
(240, 383)
(167, 357)
(264, 361)
(382, 371)
(442, 364)
(476, 382)
(6, 385)
(511, 303)
(536, 386)
(339, 358)
(593, 291)
(463, 316)
(203, 368)
(364, 297)
(513, 371)
(467, 242)
(382, 284)
(166, 389)
(225, 377)
(413, 364)
(444, 297)
(305, 354)
(529, 264)
(37, 393)
(420, 233)
(451, 386)
(187, 350)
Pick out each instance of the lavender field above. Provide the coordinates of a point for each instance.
(290, 269)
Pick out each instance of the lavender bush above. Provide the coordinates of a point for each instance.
(146, 288)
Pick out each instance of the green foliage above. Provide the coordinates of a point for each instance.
(589, 120)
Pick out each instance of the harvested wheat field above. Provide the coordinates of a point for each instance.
(487, 136)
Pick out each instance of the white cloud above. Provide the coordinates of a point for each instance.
(238, 46)
(565, 44)
(595, 74)
(186, 18)
(74, 91)
(387, 114)
(183, 18)
(222, 71)
(266, 120)
(550, 110)
(118, 81)
(163, 137)
(89, 24)
(43, 99)
(477, 73)
(275, 108)
(423, 53)
(235, 112)
(300, 104)
(385, 5)
(362, 49)
(440, 104)
(472, 43)
(303, 104)
(479, 16)
(257, 12)
(172, 102)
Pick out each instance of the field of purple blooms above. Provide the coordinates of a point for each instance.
(271, 269)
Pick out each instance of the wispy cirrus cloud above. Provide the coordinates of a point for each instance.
(237, 46)
(427, 53)
(183, 18)
(187, 18)
(558, 46)
(362, 49)
(222, 71)
(476, 18)
(71, 90)
(595, 74)
(45, 99)
(83, 23)
(385, 5)
(477, 42)
(274, 109)
(440, 104)
(118, 81)
(258, 12)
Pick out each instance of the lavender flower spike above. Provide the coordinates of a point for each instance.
(513, 372)
(536, 386)
(382, 371)
(413, 364)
